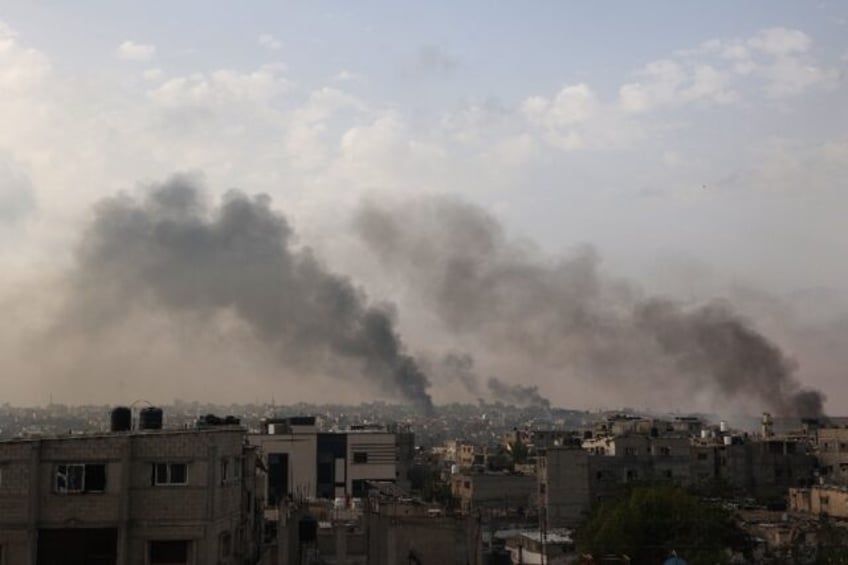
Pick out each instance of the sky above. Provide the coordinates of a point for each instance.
(699, 149)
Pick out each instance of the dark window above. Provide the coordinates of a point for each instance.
(225, 542)
(95, 478)
(168, 552)
(170, 474)
(278, 477)
(80, 477)
(702, 457)
(360, 457)
(225, 470)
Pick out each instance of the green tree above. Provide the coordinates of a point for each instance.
(651, 521)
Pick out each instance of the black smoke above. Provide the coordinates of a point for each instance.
(172, 250)
(563, 314)
(518, 394)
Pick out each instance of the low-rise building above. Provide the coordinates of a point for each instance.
(502, 492)
(133, 497)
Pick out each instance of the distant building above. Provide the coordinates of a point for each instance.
(134, 497)
(832, 453)
(573, 479)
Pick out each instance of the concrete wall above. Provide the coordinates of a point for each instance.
(495, 491)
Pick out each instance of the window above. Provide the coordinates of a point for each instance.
(225, 542)
(665, 450)
(73, 478)
(360, 457)
(170, 474)
(702, 457)
(225, 470)
(169, 552)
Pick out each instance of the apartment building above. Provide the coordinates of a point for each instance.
(304, 463)
(132, 497)
(572, 479)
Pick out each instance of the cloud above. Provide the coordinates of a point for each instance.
(268, 41)
(17, 197)
(222, 87)
(572, 105)
(669, 82)
(132, 51)
(780, 42)
(20, 67)
(777, 61)
(347, 76)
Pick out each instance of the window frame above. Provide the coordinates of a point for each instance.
(77, 484)
(169, 474)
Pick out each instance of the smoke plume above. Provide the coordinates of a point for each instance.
(562, 313)
(520, 395)
(174, 251)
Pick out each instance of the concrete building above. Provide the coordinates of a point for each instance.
(821, 500)
(304, 463)
(501, 492)
(832, 454)
(130, 498)
(388, 531)
(573, 479)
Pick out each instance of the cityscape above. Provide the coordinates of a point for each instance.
(392, 283)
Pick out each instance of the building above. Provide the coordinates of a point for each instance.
(821, 500)
(832, 454)
(304, 463)
(573, 479)
(500, 492)
(133, 497)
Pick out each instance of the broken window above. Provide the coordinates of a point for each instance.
(74, 478)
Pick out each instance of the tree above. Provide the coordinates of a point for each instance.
(652, 521)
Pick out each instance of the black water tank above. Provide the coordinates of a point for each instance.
(121, 419)
(150, 418)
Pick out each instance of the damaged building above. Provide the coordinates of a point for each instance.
(132, 496)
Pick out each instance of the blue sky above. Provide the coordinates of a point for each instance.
(699, 146)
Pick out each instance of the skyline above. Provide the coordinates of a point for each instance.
(699, 153)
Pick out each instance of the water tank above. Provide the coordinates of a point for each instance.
(728, 440)
(150, 418)
(722, 426)
(121, 419)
